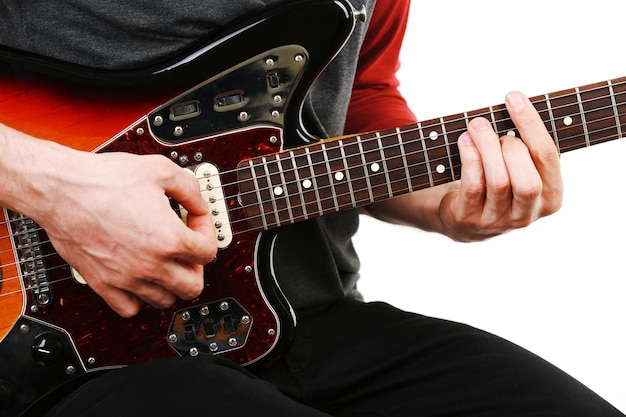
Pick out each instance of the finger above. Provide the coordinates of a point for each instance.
(497, 182)
(472, 188)
(199, 243)
(177, 279)
(183, 186)
(526, 182)
(196, 243)
(153, 294)
(124, 303)
(541, 146)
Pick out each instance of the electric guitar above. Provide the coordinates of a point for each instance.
(229, 110)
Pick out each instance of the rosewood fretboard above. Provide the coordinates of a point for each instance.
(354, 171)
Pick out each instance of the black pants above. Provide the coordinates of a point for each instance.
(354, 359)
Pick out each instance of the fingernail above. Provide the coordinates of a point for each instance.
(515, 100)
(465, 138)
(480, 123)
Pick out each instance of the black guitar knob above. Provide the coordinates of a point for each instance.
(48, 349)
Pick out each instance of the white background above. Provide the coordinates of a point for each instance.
(556, 287)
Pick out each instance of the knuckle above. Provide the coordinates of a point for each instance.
(169, 244)
(129, 310)
(193, 289)
(529, 192)
(166, 300)
(523, 221)
(551, 206)
(501, 186)
(548, 156)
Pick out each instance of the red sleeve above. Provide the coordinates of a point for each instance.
(376, 102)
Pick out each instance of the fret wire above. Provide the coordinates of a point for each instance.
(258, 194)
(615, 111)
(314, 179)
(299, 184)
(285, 188)
(555, 132)
(426, 157)
(445, 138)
(383, 159)
(331, 184)
(404, 161)
(271, 191)
(493, 117)
(348, 176)
(466, 118)
(365, 170)
(582, 116)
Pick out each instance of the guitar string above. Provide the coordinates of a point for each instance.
(382, 137)
(564, 147)
(435, 148)
(408, 155)
(70, 277)
(453, 132)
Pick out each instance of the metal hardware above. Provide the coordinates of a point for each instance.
(361, 14)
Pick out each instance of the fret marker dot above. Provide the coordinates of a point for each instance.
(375, 167)
(278, 191)
(339, 176)
(511, 133)
(433, 135)
(307, 184)
(441, 168)
(568, 121)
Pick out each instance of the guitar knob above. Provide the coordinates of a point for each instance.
(48, 349)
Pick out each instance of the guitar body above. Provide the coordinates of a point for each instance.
(234, 97)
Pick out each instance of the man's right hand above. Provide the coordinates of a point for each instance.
(108, 215)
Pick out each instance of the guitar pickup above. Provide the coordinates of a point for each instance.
(211, 189)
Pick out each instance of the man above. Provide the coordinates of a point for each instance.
(347, 358)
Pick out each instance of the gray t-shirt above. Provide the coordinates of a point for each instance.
(314, 261)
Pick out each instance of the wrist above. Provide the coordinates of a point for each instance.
(30, 169)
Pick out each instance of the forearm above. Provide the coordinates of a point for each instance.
(27, 167)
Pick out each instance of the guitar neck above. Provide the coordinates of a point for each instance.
(354, 171)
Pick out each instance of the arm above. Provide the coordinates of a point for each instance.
(505, 183)
(108, 215)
